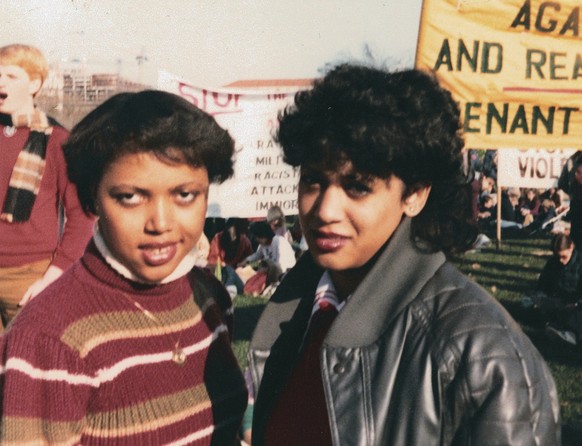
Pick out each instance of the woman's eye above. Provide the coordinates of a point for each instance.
(186, 197)
(358, 189)
(129, 199)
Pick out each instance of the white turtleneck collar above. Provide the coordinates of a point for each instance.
(181, 270)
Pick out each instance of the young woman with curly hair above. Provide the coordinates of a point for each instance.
(413, 352)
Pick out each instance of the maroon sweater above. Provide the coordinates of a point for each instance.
(82, 365)
(38, 238)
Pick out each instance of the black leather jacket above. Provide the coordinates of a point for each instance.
(420, 355)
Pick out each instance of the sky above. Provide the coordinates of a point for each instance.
(211, 43)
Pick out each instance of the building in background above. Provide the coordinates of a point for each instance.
(73, 89)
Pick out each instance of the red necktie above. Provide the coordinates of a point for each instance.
(300, 415)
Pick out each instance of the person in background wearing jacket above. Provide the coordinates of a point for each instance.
(570, 182)
(559, 291)
(228, 248)
(374, 338)
(35, 248)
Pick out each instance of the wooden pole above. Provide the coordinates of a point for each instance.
(498, 215)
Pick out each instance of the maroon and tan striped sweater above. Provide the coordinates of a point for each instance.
(82, 365)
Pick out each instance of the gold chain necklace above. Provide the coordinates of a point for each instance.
(178, 354)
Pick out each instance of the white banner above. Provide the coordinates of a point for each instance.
(532, 168)
(261, 178)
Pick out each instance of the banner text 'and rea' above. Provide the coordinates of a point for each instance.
(515, 66)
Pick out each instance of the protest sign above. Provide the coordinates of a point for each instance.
(261, 178)
(515, 66)
(538, 169)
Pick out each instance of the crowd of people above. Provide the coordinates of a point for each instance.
(521, 210)
(554, 212)
(119, 316)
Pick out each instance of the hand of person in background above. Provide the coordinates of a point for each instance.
(52, 274)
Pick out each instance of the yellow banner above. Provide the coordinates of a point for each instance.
(515, 66)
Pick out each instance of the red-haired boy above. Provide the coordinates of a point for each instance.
(35, 246)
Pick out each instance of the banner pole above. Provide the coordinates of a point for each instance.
(498, 214)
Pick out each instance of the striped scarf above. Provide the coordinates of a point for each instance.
(27, 173)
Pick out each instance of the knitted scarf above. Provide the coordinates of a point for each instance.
(27, 173)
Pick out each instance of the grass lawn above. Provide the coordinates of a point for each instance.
(507, 272)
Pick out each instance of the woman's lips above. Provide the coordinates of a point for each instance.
(157, 255)
(329, 242)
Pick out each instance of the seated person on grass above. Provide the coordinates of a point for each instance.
(274, 255)
(228, 248)
(559, 291)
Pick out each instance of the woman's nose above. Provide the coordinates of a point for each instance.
(160, 216)
(329, 206)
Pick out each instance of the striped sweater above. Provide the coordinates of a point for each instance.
(82, 365)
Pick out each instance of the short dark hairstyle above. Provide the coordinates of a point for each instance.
(152, 121)
(561, 242)
(400, 123)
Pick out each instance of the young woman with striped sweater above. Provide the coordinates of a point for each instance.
(132, 344)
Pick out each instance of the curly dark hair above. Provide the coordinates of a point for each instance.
(400, 123)
(152, 121)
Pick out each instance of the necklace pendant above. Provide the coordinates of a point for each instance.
(178, 356)
(9, 131)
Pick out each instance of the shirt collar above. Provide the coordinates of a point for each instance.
(325, 292)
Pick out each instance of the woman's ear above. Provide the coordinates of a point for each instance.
(415, 202)
(34, 86)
